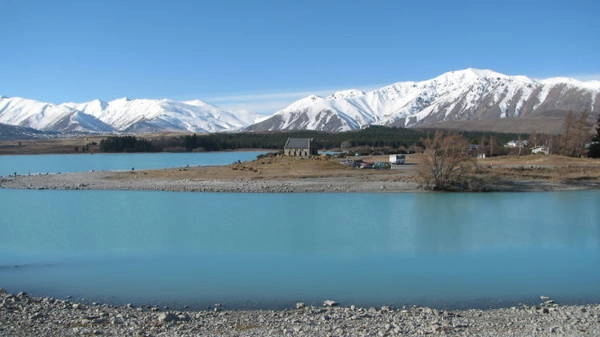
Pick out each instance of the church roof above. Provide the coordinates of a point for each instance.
(298, 143)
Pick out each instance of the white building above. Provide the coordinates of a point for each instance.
(540, 149)
(397, 159)
(517, 143)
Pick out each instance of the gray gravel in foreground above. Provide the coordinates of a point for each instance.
(105, 180)
(21, 315)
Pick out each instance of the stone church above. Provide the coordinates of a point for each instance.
(300, 147)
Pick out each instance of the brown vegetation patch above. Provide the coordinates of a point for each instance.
(272, 168)
(489, 174)
(557, 169)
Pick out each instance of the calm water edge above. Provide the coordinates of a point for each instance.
(271, 250)
(54, 163)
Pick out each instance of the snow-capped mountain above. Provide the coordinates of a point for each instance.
(469, 94)
(48, 117)
(123, 115)
(472, 95)
(148, 115)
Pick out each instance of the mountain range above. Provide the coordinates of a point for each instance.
(121, 115)
(468, 98)
(464, 95)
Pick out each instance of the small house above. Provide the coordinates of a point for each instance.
(540, 149)
(299, 147)
(397, 159)
(513, 144)
(476, 151)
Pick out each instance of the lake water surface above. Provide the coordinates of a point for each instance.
(271, 250)
(54, 163)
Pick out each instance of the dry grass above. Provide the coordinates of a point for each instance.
(553, 160)
(271, 168)
(54, 145)
(65, 145)
(505, 169)
(559, 169)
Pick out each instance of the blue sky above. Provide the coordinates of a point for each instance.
(260, 55)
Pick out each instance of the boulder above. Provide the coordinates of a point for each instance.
(183, 317)
(329, 303)
(165, 317)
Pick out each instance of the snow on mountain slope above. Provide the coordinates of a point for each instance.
(130, 115)
(469, 94)
(79, 122)
(48, 117)
(144, 115)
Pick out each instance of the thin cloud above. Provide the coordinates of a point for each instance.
(265, 107)
(580, 77)
(587, 77)
(265, 102)
(269, 96)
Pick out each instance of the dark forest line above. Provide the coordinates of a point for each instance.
(371, 138)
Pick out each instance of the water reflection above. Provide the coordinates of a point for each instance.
(365, 248)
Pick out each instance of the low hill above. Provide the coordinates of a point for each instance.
(12, 132)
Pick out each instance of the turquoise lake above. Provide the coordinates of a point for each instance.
(271, 250)
(55, 163)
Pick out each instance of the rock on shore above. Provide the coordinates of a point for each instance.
(21, 315)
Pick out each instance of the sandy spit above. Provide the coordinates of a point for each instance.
(106, 181)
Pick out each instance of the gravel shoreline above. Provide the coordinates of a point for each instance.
(21, 315)
(107, 180)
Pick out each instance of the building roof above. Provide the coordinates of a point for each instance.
(298, 143)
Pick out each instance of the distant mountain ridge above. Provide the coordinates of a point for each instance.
(463, 95)
(10, 132)
(121, 115)
(472, 98)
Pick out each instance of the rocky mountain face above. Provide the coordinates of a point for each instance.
(120, 115)
(464, 95)
(9, 132)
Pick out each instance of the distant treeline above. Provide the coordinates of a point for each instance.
(127, 144)
(375, 137)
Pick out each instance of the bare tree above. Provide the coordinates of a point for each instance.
(446, 160)
(534, 139)
(567, 133)
(594, 151)
(345, 145)
(576, 132)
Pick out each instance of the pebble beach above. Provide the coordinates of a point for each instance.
(22, 315)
